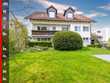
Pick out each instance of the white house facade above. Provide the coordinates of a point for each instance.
(45, 24)
(103, 34)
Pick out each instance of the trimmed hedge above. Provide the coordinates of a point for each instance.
(40, 43)
(67, 41)
(97, 45)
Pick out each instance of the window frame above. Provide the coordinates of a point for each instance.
(77, 28)
(86, 39)
(86, 28)
(65, 28)
(69, 15)
(41, 28)
(52, 14)
(53, 28)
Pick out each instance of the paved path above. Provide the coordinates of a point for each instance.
(105, 57)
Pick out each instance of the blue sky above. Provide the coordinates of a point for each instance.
(98, 10)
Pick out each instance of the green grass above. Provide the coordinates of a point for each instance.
(59, 67)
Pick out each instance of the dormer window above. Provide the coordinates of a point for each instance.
(69, 13)
(52, 12)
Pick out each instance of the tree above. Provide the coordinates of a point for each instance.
(12, 40)
(18, 37)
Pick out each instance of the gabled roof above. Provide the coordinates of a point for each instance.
(70, 8)
(59, 17)
(51, 7)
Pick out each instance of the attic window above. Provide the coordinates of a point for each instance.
(52, 14)
(70, 15)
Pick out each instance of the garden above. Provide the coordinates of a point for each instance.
(65, 60)
(53, 66)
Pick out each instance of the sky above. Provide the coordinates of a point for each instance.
(98, 10)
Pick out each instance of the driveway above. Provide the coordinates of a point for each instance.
(105, 57)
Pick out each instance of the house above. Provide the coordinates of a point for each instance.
(103, 34)
(45, 24)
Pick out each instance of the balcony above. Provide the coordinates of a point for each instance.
(48, 33)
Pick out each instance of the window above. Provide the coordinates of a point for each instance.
(85, 29)
(98, 31)
(100, 37)
(34, 27)
(41, 28)
(64, 28)
(54, 28)
(38, 39)
(52, 11)
(86, 39)
(70, 15)
(41, 39)
(77, 28)
(52, 14)
(38, 28)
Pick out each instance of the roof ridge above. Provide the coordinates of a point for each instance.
(43, 15)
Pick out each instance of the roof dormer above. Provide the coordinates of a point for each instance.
(69, 13)
(52, 12)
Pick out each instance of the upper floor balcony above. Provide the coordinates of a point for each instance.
(44, 32)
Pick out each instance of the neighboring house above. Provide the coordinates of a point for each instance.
(103, 34)
(45, 24)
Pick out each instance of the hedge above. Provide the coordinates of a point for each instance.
(39, 43)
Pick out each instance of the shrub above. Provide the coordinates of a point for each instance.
(40, 43)
(97, 45)
(67, 41)
(95, 42)
(108, 44)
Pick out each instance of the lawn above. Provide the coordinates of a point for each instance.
(53, 66)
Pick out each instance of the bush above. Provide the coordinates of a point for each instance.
(108, 44)
(39, 43)
(67, 41)
(95, 42)
(97, 45)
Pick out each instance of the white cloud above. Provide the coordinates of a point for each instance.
(106, 6)
(96, 14)
(58, 6)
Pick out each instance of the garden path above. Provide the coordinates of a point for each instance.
(105, 57)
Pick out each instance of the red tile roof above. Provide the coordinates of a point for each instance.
(44, 16)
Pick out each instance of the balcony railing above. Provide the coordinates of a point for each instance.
(43, 32)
